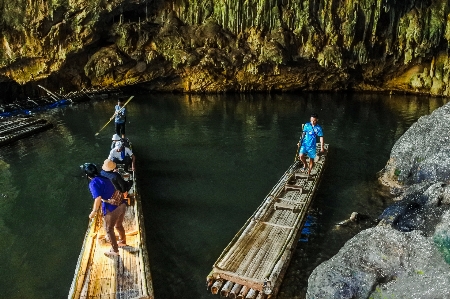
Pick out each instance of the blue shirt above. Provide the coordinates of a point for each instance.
(309, 141)
(120, 116)
(101, 186)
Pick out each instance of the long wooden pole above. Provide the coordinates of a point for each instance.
(114, 115)
(51, 94)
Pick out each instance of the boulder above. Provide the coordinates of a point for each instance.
(382, 262)
(422, 153)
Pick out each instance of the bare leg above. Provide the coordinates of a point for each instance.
(303, 159)
(119, 227)
(311, 165)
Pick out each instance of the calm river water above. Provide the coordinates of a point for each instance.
(204, 164)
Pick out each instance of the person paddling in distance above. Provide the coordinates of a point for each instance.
(102, 188)
(120, 118)
(308, 141)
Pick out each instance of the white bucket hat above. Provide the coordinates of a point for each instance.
(115, 137)
(118, 145)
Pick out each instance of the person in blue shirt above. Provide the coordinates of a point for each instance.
(120, 118)
(103, 188)
(308, 142)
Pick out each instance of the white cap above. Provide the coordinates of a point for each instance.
(118, 145)
(115, 137)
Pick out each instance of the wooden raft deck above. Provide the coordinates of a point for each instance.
(123, 277)
(254, 262)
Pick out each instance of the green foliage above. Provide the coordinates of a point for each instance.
(378, 294)
(442, 241)
(397, 172)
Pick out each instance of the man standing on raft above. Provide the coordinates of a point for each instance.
(120, 116)
(308, 142)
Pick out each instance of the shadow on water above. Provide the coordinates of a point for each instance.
(204, 165)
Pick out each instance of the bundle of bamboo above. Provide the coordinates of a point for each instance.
(18, 128)
(254, 262)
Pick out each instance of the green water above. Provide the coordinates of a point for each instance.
(204, 164)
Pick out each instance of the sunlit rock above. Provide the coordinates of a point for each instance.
(422, 153)
(382, 262)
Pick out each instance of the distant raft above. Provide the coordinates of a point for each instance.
(17, 128)
(254, 262)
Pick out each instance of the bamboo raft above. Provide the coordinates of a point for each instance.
(18, 128)
(126, 276)
(254, 262)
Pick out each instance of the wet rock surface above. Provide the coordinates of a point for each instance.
(382, 262)
(407, 255)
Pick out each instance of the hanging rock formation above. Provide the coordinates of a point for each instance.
(228, 45)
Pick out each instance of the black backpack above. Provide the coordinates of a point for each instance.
(125, 142)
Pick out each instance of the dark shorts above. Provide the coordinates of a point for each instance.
(120, 128)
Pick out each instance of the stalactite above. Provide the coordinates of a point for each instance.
(375, 20)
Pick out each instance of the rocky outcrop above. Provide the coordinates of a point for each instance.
(422, 153)
(408, 254)
(382, 262)
(233, 45)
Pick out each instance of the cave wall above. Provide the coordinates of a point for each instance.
(228, 45)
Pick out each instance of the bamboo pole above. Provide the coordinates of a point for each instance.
(243, 292)
(216, 286)
(113, 277)
(235, 291)
(51, 94)
(84, 259)
(226, 288)
(145, 267)
(209, 280)
(261, 295)
(251, 294)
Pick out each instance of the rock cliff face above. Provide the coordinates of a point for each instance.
(408, 254)
(228, 45)
(422, 153)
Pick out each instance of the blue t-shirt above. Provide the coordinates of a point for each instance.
(101, 186)
(309, 141)
(120, 116)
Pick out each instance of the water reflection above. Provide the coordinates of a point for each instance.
(204, 165)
